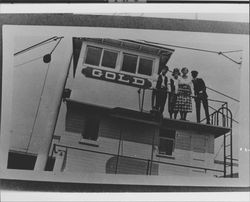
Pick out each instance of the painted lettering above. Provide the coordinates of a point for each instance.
(116, 77)
(110, 75)
(121, 78)
(96, 73)
(138, 81)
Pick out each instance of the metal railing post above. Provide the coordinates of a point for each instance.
(225, 159)
(227, 113)
(217, 116)
(148, 164)
(231, 142)
(118, 152)
(143, 96)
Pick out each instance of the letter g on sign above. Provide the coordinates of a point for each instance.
(96, 73)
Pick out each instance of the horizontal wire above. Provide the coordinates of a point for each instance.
(204, 50)
(32, 60)
(223, 94)
(232, 51)
(185, 47)
(197, 49)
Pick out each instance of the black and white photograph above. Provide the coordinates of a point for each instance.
(125, 105)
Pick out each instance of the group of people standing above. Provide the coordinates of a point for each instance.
(179, 88)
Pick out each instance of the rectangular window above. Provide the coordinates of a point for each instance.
(21, 161)
(145, 66)
(91, 128)
(82, 121)
(93, 56)
(132, 64)
(109, 59)
(129, 63)
(166, 142)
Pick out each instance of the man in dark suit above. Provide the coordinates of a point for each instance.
(161, 90)
(201, 96)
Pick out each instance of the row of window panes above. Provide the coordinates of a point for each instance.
(108, 58)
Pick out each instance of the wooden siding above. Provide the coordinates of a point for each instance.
(75, 121)
(137, 150)
(87, 162)
(172, 170)
(126, 165)
(195, 141)
(107, 145)
(191, 148)
(127, 130)
(183, 141)
(110, 128)
(198, 143)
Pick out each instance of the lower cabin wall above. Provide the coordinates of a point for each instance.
(191, 148)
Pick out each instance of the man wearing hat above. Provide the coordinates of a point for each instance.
(161, 89)
(172, 97)
(201, 96)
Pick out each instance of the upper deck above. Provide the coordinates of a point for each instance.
(144, 117)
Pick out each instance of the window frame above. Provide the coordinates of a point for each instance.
(101, 57)
(119, 59)
(110, 50)
(85, 57)
(167, 138)
(139, 56)
(84, 133)
(152, 69)
(125, 53)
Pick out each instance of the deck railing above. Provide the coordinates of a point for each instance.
(223, 109)
(219, 117)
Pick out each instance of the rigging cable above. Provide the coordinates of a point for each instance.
(196, 49)
(232, 51)
(38, 106)
(222, 94)
(221, 53)
(34, 59)
(37, 45)
(60, 38)
(203, 50)
(40, 99)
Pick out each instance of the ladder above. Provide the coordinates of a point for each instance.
(227, 121)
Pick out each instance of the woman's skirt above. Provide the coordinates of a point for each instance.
(183, 101)
(171, 102)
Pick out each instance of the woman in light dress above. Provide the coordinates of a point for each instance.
(185, 91)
